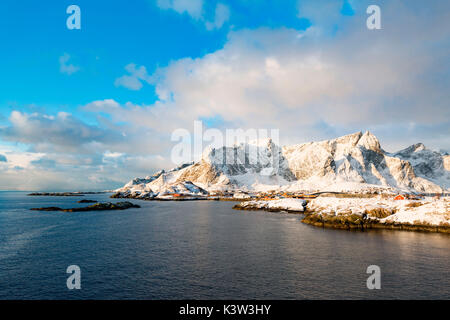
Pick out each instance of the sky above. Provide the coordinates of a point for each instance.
(90, 109)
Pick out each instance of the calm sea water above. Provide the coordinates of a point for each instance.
(206, 250)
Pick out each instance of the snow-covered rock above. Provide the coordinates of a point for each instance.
(430, 211)
(152, 190)
(288, 204)
(433, 212)
(241, 195)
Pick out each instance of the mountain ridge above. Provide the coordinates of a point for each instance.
(354, 162)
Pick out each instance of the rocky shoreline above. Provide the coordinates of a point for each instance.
(363, 214)
(357, 223)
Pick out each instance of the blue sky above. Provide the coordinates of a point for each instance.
(91, 108)
(113, 34)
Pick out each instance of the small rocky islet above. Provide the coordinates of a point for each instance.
(63, 194)
(56, 194)
(95, 207)
(87, 201)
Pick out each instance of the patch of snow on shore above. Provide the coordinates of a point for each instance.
(281, 204)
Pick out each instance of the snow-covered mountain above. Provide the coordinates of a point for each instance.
(354, 162)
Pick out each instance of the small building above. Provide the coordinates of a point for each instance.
(400, 197)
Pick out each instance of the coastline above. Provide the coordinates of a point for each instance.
(317, 220)
(354, 214)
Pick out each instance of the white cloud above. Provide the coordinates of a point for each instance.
(65, 67)
(19, 158)
(133, 81)
(194, 8)
(107, 105)
(222, 15)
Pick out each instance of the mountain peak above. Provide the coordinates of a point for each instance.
(369, 142)
(411, 149)
(366, 140)
(419, 147)
(349, 139)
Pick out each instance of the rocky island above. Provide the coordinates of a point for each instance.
(63, 194)
(95, 207)
(56, 194)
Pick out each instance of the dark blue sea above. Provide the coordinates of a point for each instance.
(206, 250)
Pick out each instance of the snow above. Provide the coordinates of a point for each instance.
(338, 206)
(259, 182)
(315, 184)
(240, 195)
(281, 204)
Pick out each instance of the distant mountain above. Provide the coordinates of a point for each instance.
(354, 162)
